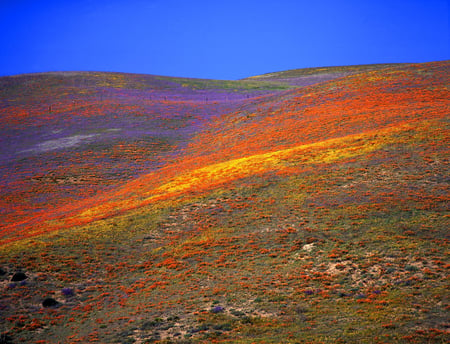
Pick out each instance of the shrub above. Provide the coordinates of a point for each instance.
(223, 327)
(5, 338)
(411, 268)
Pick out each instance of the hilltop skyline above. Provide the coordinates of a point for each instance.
(217, 40)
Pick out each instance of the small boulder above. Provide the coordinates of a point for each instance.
(308, 247)
(50, 303)
(18, 276)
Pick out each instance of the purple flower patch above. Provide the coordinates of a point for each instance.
(217, 309)
(67, 292)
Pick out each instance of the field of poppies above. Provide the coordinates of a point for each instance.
(305, 206)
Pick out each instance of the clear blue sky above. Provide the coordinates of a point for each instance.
(219, 39)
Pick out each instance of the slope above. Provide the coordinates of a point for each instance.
(316, 214)
(69, 136)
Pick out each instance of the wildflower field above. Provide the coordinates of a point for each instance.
(304, 206)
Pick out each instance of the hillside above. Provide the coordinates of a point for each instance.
(303, 206)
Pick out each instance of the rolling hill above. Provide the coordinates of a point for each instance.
(302, 206)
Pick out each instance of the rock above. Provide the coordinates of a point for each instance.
(308, 247)
(18, 276)
(50, 303)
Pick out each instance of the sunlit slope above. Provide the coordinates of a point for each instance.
(349, 105)
(68, 136)
(335, 120)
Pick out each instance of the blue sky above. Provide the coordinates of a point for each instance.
(227, 39)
